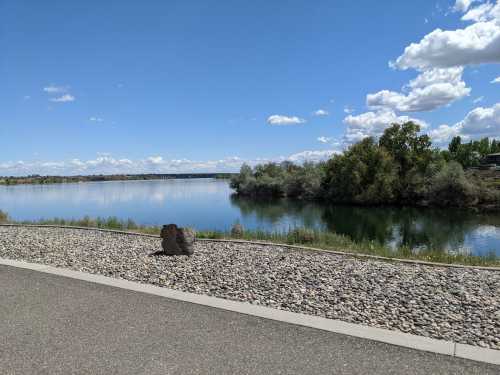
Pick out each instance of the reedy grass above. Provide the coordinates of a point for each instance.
(315, 238)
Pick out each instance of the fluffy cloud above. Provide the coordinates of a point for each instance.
(480, 122)
(373, 124)
(443, 134)
(106, 164)
(481, 13)
(314, 156)
(321, 112)
(431, 89)
(496, 80)
(284, 120)
(475, 44)
(63, 98)
(96, 119)
(462, 5)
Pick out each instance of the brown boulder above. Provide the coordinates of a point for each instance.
(177, 241)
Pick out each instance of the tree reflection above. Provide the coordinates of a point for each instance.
(412, 227)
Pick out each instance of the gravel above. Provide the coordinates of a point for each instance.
(456, 304)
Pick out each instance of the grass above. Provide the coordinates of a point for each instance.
(295, 236)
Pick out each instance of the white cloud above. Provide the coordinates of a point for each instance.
(481, 13)
(462, 5)
(496, 80)
(106, 164)
(482, 122)
(478, 100)
(443, 134)
(478, 123)
(63, 98)
(321, 112)
(348, 110)
(430, 90)
(475, 44)
(55, 89)
(155, 160)
(284, 120)
(314, 156)
(96, 119)
(373, 124)
(324, 139)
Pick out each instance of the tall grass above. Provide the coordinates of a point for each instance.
(332, 241)
(111, 222)
(294, 236)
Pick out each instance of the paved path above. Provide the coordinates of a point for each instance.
(55, 325)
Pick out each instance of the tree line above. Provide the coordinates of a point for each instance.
(43, 180)
(401, 167)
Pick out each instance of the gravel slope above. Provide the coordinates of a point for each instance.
(461, 305)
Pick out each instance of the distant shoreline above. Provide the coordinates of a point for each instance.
(42, 180)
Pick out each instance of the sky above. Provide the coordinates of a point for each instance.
(90, 87)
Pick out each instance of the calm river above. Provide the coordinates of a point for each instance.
(208, 204)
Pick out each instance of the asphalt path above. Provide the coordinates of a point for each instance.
(55, 325)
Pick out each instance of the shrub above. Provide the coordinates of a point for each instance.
(4, 217)
(450, 187)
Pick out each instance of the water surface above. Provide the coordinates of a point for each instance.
(208, 204)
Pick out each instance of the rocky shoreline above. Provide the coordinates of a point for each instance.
(456, 304)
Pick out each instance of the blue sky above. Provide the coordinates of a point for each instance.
(180, 86)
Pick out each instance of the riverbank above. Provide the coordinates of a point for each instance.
(456, 304)
(294, 236)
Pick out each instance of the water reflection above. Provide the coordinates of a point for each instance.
(450, 229)
(208, 204)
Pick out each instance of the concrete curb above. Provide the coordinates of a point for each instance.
(357, 330)
(263, 243)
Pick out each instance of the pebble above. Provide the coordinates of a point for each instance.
(456, 304)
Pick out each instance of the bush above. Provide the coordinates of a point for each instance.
(278, 180)
(4, 217)
(450, 187)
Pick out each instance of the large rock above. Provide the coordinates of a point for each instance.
(177, 241)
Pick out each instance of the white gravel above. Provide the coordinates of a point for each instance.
(461, 305)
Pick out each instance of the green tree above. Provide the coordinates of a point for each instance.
(407, 147)
(454, 145)
(365, 173)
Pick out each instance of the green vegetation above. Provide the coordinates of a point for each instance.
(470, 154)
(277, 180)
(102, 223)
(331, 241)
(321, 239)
(4, 217)
(401, 168)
